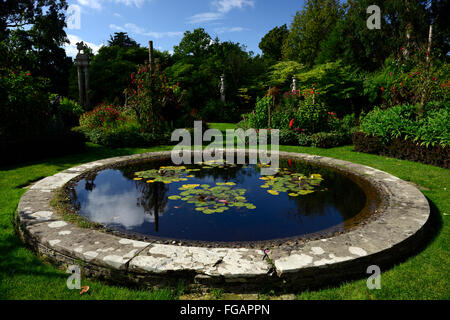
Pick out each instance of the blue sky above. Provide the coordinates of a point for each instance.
(165, 21)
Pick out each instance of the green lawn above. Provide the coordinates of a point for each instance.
(222, 126)
(423, 276)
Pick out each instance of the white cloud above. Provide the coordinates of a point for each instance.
(132, 28)
(205, 17)
(93, 4)
(71, 49)
(229, 29)
(120, 209)
(117, 15)
(222, 7)
(225, 6)
(98, 4)
(116, 27)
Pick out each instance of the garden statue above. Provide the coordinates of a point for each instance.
(222, 88)
(294, 84)
(82, 61)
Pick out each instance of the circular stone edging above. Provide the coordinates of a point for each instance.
(396, 232)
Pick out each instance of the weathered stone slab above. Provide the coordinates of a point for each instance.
(226, 262)
(87, 245)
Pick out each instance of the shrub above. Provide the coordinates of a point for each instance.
(261, 112)
(216, 110)
(312, 115)
(157, 106)
(24, 104)
(339, 85)
(403, 149)
(387, 124)
(124, 136)
(403, 122)
(434, 128)
(288, 137)
(281, 118)
(330, 139)
(102, 116)
(409, 79)
(303, 140)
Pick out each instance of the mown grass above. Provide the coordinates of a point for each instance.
(423, 276)
(222, 126)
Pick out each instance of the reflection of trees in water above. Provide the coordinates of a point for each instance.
(153, 199)
(342, 195)
(89, 184)
(228, 173)
(129, 170)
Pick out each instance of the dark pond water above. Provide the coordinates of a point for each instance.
(217, 202)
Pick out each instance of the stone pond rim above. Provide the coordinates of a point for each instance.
(397, 229)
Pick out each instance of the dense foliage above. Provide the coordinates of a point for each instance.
(403, 121)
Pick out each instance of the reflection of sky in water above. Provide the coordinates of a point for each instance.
(116, 200)
(108, 204)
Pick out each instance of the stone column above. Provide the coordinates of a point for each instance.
(222, 88)
(82, 61)
(86, 85)
(294, 84)
(80, 85)
(150, 55)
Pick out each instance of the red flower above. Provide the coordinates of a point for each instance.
(382, 89)
(434, 79)
(290, 162)
(291, 123)
(28, 74)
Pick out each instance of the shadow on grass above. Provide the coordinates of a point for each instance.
(92, 152)
(18, 259)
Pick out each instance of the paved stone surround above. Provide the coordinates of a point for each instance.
(395, 233)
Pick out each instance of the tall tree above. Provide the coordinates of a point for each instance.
(403, 23)
(32, 39)
(194, 43)
(309, 28)
(121, 39)
(272, 42)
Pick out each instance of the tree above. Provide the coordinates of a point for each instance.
(194, 43)
(121, 39)
(403, 23)
(309, 28)
(113, 65)
(272, 42)
(37, 47)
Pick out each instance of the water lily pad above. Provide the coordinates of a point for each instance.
(294, 184)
